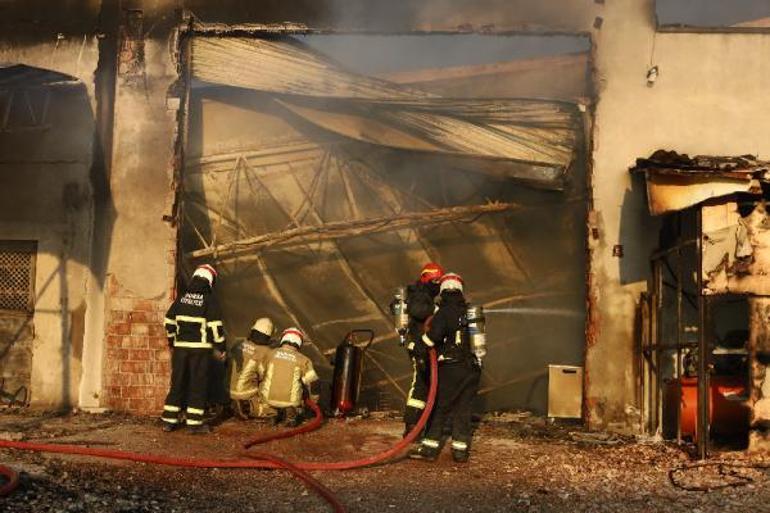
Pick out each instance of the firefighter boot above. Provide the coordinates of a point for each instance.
(425, 451)
(200, 429)
(168, 427)
(460, 451)
(460, 456)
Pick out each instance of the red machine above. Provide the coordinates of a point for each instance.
(348, 366)
(728, 412)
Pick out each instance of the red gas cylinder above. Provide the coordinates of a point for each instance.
(348, 366)
(728, 412)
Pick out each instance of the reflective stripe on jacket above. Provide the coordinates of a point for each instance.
(194, 320)
(286, 371)
(250, 372)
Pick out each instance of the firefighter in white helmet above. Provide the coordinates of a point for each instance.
(195, 334)
(248, 360)
(459, 372)
(289, 376)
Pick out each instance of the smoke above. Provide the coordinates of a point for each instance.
(565, 15)
(377, 54)
(409, 15)
(711, 13)
(551, 312)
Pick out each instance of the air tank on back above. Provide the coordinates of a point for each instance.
(477, 331)
(400, 316)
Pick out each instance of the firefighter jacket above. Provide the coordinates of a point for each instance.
(420, 304)
(287, 371)
(448, 330)
(249, 363)
(194, 320)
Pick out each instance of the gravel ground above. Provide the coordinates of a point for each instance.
(518, 463)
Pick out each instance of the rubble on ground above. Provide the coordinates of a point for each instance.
(520, 462)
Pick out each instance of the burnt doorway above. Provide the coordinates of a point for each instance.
(318, 184)
(702, 321)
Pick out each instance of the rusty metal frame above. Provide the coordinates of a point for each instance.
(703, 430)
(653, 353)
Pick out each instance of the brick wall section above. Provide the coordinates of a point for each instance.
(137, 358)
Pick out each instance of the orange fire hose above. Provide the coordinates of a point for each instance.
(253, 460)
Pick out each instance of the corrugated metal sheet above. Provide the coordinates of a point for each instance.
(19, 75)
(537, 132)
(284, 66)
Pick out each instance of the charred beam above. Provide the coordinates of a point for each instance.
(345, 229)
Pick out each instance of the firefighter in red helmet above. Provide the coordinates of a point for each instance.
(289, 377)
(195, 334)
(420, 305)
(459, 373)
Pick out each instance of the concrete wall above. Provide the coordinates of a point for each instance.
(141, 263)
(46, 196)
(710, 98)
(109, 294)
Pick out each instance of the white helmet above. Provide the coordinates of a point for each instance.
(264, 325)
(292, 336)
(207, 272)
(451, 281)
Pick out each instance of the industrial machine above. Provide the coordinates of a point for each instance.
(348, 367)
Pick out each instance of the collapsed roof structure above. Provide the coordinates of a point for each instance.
(300, 174)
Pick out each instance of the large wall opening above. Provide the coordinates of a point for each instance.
(322, 171)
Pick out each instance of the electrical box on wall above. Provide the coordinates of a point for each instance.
(565, 391)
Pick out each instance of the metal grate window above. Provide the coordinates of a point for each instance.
(17, 276)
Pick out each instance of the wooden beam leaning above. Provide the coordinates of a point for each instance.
(345, 229)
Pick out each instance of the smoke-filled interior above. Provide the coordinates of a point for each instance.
(317, 190)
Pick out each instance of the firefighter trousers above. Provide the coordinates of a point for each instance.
(418, 393)
(458, 383)
(189, 386)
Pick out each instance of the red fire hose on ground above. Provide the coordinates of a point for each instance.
(305, 428)
(253, 460)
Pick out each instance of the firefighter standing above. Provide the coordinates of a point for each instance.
(420, 301)
(459, 373)
(248, 359)
(194, 328)
(289, 375)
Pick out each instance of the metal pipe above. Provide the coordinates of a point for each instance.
(679, 328)
(703, 426)
(654, 356)
(662, 253)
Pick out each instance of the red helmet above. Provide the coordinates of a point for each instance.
(431, 272)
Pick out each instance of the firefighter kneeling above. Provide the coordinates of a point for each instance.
(289, 376)
(248, 360)
(459, 373)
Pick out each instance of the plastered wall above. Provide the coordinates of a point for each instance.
(710, 98)
(46, 196)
